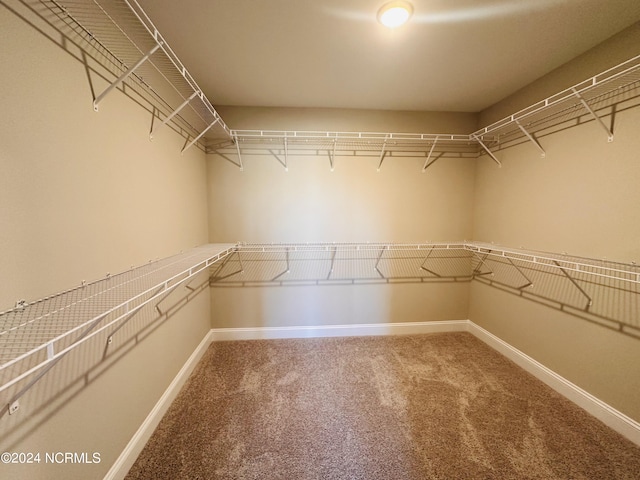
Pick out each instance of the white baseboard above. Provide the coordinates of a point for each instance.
(608, 415)
(351, 330)
(129, 455)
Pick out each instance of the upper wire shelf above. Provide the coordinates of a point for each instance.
(36, 334)
(588, 97)
(616, 84)
(129, 45)
(126, 42)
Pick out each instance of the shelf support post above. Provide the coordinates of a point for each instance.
(486, 149)
(481, 261)
(287, 270)
(174, 113)
(532, 138)
(572, 280)
(427, 164)
(123, 77)
(240, 261)
(333, 259)
(332, 154)
(529, 282)
(422, 267)
(383, 152)
(378, 261)
(286, 154)
(593, 114)
(237, 142)
(200, 136)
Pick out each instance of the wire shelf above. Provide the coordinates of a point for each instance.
(587, 98)
(35, 334)
(588, 267)
(601, 291)
(126, 42)
(345, 263)
(617, 84)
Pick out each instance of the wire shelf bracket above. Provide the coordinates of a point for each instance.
(572, 280)
(593, 114)
(529, 281)
(531, 138)
(286, 155)
(236, 141)
(124, 76)
(332, 154)
(427, 162)
(486, 149)
(383, 152)
(190, 144)
(168, 118)
(422, 267)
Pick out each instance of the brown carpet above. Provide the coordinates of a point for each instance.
(441, 406)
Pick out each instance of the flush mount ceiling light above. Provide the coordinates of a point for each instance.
(394, 14)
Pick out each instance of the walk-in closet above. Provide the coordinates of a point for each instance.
(283, 239)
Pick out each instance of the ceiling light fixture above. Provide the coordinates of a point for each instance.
(394, 14)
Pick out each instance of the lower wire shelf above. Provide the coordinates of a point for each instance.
(35, 335)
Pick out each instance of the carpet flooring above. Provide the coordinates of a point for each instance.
(438, 406)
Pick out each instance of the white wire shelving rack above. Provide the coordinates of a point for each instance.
(343, 263)
(283, 144)
(595, 269)
(131, 47)
(598, 290)
(588, 267)
(124, 40)
(589, 98)
(35, 335)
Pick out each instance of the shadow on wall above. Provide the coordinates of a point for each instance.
(47, 390)
(613, 303)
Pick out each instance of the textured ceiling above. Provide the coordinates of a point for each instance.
(454, 55)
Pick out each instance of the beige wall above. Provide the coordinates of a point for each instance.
(582, 198)
(83, 194)
(354, 203)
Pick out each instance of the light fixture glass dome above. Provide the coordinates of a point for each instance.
(394, 14)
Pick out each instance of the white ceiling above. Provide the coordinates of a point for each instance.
(454, 55)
